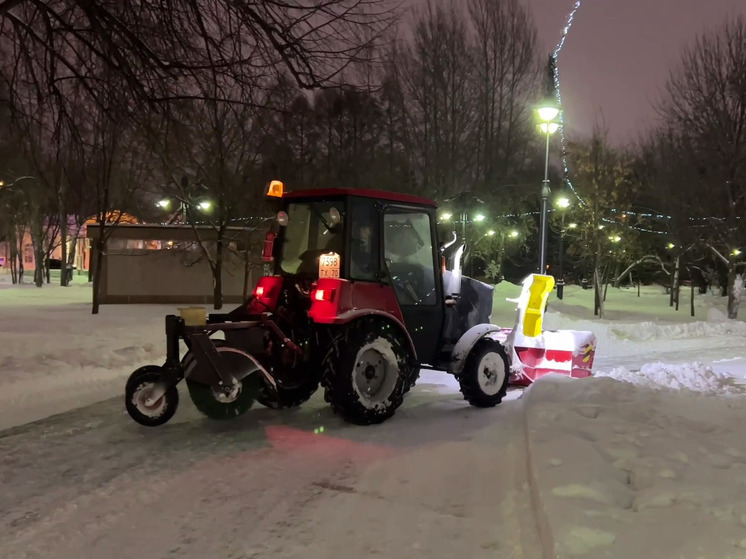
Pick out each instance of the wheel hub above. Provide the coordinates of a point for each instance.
(491, 373)
(370, 371)
(145, 403)
(227, 394)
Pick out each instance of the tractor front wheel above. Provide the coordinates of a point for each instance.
(484, 379)
(366, 371)
(149, 400)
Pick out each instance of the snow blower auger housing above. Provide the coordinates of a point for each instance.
(361, 297)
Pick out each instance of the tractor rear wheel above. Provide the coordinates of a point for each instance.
(217, 403)
(367, 370)
(484, 379)
(293, 387)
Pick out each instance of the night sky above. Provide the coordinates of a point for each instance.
(618, 54)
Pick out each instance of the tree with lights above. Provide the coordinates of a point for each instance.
(705, 109)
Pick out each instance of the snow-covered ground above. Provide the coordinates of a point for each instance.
(647, 459)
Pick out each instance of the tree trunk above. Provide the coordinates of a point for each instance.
(96, 269)
(21, 255)
(691, 301)
(735, 289)
(63, 249)
(13, 244)
(217, 271)
(73, 252)
(597, 284)
(674, 293)
(38, 244)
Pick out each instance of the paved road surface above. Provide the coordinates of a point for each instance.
(439, 480)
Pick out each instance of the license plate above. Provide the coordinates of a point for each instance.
(329, 265)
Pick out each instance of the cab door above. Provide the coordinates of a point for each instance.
(410, 260)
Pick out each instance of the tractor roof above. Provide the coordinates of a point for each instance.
(364, 192)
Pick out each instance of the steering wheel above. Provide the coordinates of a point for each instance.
(404, 288)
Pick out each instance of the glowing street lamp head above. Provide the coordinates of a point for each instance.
(204, 205)
(165, 203)
(547, 113)
(445, 216)
(491, 233)
(513, 234)
(479, 217)
(572, 226)
(563, 202)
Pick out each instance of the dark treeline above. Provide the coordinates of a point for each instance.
(108, 106)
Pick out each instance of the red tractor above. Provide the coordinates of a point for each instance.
(361, 298)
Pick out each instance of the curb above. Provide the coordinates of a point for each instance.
(542, 519)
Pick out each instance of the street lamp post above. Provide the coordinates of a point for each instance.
(548, 114)
(563, 204)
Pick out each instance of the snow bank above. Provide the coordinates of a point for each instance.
(619, 471)
(694, 377)
(55, 356)
(657, 331)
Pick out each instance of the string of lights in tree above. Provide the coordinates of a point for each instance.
(558, 92)
(563, 138)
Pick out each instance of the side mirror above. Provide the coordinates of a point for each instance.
(334, 216)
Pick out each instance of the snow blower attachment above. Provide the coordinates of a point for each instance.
(360, 298)
(536, 352)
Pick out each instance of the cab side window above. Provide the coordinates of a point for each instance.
(408, 249)
(364, 244)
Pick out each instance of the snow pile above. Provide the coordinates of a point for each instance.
(655, 331)
(620, 472)
(55, 356)
(694, 377)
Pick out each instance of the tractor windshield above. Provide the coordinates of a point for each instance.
(314, 229)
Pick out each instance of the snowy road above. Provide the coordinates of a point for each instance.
(439, 480)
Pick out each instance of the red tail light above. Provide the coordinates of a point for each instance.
(266, 294)
(323, 295)
(326, 299)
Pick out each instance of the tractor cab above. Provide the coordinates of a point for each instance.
(357, 251)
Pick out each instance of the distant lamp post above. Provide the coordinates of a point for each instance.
(548, 114)
(562, 203)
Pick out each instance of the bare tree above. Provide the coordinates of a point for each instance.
(706, 99)
(163, 50)
(437, 76)
(602, 181)
(208, 152)
(506, 71)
